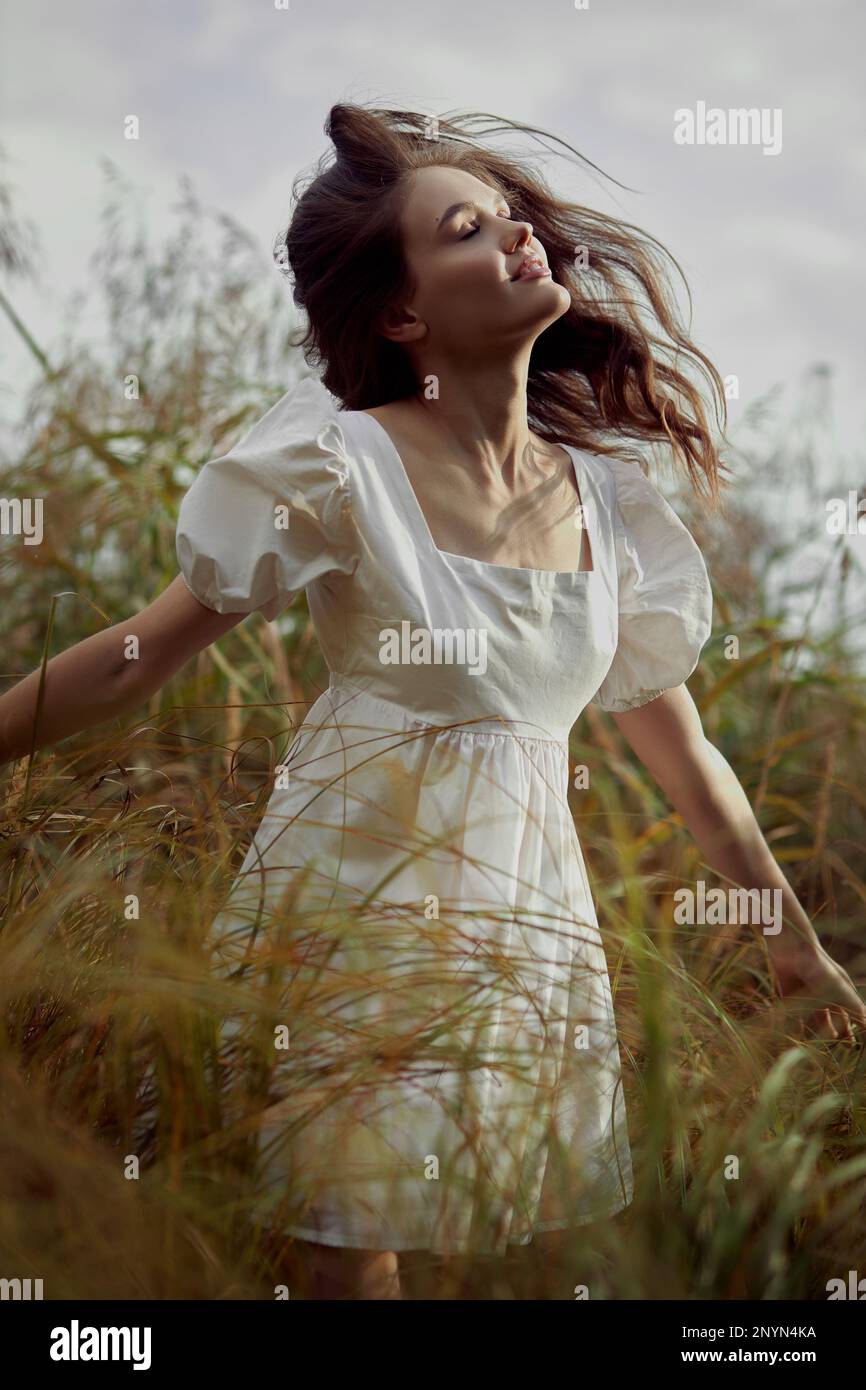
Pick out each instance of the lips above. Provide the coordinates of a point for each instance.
(529, 264)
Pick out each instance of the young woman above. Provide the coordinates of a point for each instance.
(463, 500)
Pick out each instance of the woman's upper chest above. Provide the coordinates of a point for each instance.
(537, 523)
(538, 623)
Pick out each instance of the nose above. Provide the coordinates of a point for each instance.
(524, 235)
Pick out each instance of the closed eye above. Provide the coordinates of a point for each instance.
(477, 227)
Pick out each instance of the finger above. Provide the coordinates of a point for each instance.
(820, 1024)
(828, 1027)
(843, 1025)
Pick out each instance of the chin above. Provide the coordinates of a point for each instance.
(554, 302)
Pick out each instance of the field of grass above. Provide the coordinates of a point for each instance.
(124, 1172)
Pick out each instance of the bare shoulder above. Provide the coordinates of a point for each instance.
(392, 412)
(399, 422)
(553, 453)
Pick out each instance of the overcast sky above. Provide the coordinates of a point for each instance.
(234, 93)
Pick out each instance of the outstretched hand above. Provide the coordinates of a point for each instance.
(822, 992)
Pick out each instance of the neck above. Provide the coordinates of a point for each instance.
(479, 410)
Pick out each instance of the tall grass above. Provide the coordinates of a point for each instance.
(127, 1155)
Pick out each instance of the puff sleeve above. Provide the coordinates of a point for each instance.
(264, 520)
(665, 598)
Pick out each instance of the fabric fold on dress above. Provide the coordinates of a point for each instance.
(665, 600)
(274, 513)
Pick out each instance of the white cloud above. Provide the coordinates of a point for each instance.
(236, 95)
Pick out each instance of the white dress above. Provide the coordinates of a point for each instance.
(447, 1074)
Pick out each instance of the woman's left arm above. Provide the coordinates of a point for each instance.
(668, 737)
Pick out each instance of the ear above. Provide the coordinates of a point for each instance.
(401, 325)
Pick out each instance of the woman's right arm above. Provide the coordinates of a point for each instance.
(107, 674)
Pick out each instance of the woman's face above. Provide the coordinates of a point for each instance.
(464, 260)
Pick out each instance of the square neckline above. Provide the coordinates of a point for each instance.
(539, 574)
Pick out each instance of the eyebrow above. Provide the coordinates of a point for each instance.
(462, 207)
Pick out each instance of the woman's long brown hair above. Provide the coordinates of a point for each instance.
(613, 369)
